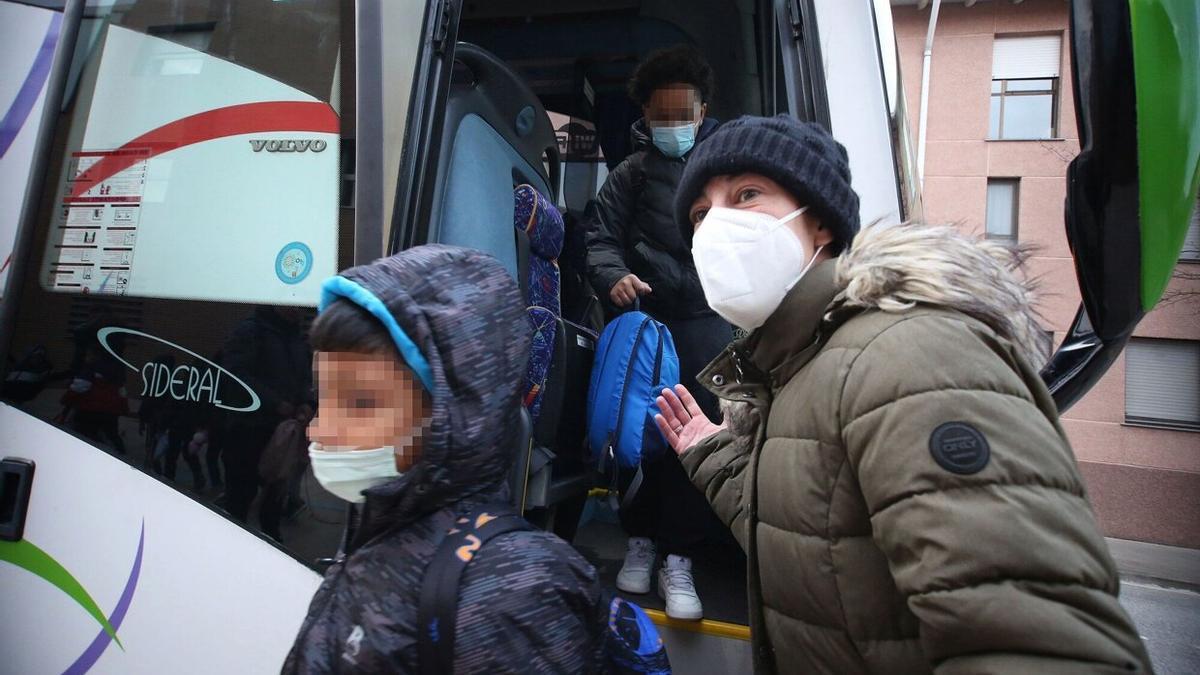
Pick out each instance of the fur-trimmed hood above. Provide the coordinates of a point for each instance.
(895, 268)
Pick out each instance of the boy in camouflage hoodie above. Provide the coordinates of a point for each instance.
(419, 360)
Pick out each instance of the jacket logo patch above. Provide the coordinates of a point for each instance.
(959, 448)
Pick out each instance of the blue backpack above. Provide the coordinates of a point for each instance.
(635, 361)
(632, 645)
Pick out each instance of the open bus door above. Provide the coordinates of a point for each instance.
(1132, 189)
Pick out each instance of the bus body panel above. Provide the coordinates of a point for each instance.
(31, 34)
(185, 590)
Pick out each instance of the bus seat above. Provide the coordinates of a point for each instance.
(543, 227)
(521, 454)
(495, 135)
(540, 236)
(560, 359)
(529, 479)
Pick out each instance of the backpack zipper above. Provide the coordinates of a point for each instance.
(658, 358)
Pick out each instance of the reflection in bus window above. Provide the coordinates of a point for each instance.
(190, 214)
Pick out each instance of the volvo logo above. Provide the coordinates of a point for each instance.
(289, 146)
(203, 382)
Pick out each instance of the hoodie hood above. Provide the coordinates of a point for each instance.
(457, 318)
(894, 268)
(640, 134)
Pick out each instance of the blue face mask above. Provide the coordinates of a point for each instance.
(674, 141)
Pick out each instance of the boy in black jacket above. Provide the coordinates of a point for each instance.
(635, 252)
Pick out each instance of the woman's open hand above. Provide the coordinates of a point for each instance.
(681, 420)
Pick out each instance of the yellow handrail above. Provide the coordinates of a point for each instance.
(705, 626)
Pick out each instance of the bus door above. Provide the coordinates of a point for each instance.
(196, 193)
(1132, 189)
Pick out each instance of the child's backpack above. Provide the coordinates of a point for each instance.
(635, 361)
(631, 643)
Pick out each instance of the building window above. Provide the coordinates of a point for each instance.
(1002, 208)
(1191, 241)
(1162, 383)
(1025, 88)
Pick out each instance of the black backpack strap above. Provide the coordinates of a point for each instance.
(437, 613)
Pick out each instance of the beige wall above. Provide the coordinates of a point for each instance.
(1144, 483)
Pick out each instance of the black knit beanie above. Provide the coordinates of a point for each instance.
(800, 156)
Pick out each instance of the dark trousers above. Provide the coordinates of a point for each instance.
(243, 448)
(668, 508)
(216, 442)
(94, 425)
(270, 512)
(177, 441)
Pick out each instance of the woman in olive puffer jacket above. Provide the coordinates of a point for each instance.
(890, 459)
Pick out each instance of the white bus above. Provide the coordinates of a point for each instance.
(175, 169)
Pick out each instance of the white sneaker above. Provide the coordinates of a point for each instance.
(676, 587)
(639, 560)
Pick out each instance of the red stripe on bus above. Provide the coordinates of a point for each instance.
(106, 153)
(247, 118)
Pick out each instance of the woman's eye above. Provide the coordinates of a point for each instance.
(747, 194)
(698, 216)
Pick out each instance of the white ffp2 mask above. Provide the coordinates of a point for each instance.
(747, 262)
(346, 472)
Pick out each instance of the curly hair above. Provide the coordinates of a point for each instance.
(682, 63)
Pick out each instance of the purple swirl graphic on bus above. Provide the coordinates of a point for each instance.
(94, 651)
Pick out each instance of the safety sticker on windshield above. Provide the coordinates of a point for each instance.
(91, 248)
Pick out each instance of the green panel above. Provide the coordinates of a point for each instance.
(1166, 62)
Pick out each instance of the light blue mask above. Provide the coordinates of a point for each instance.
(674, 141)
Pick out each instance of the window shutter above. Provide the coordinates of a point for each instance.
(1015, 58)
(1162, 382)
